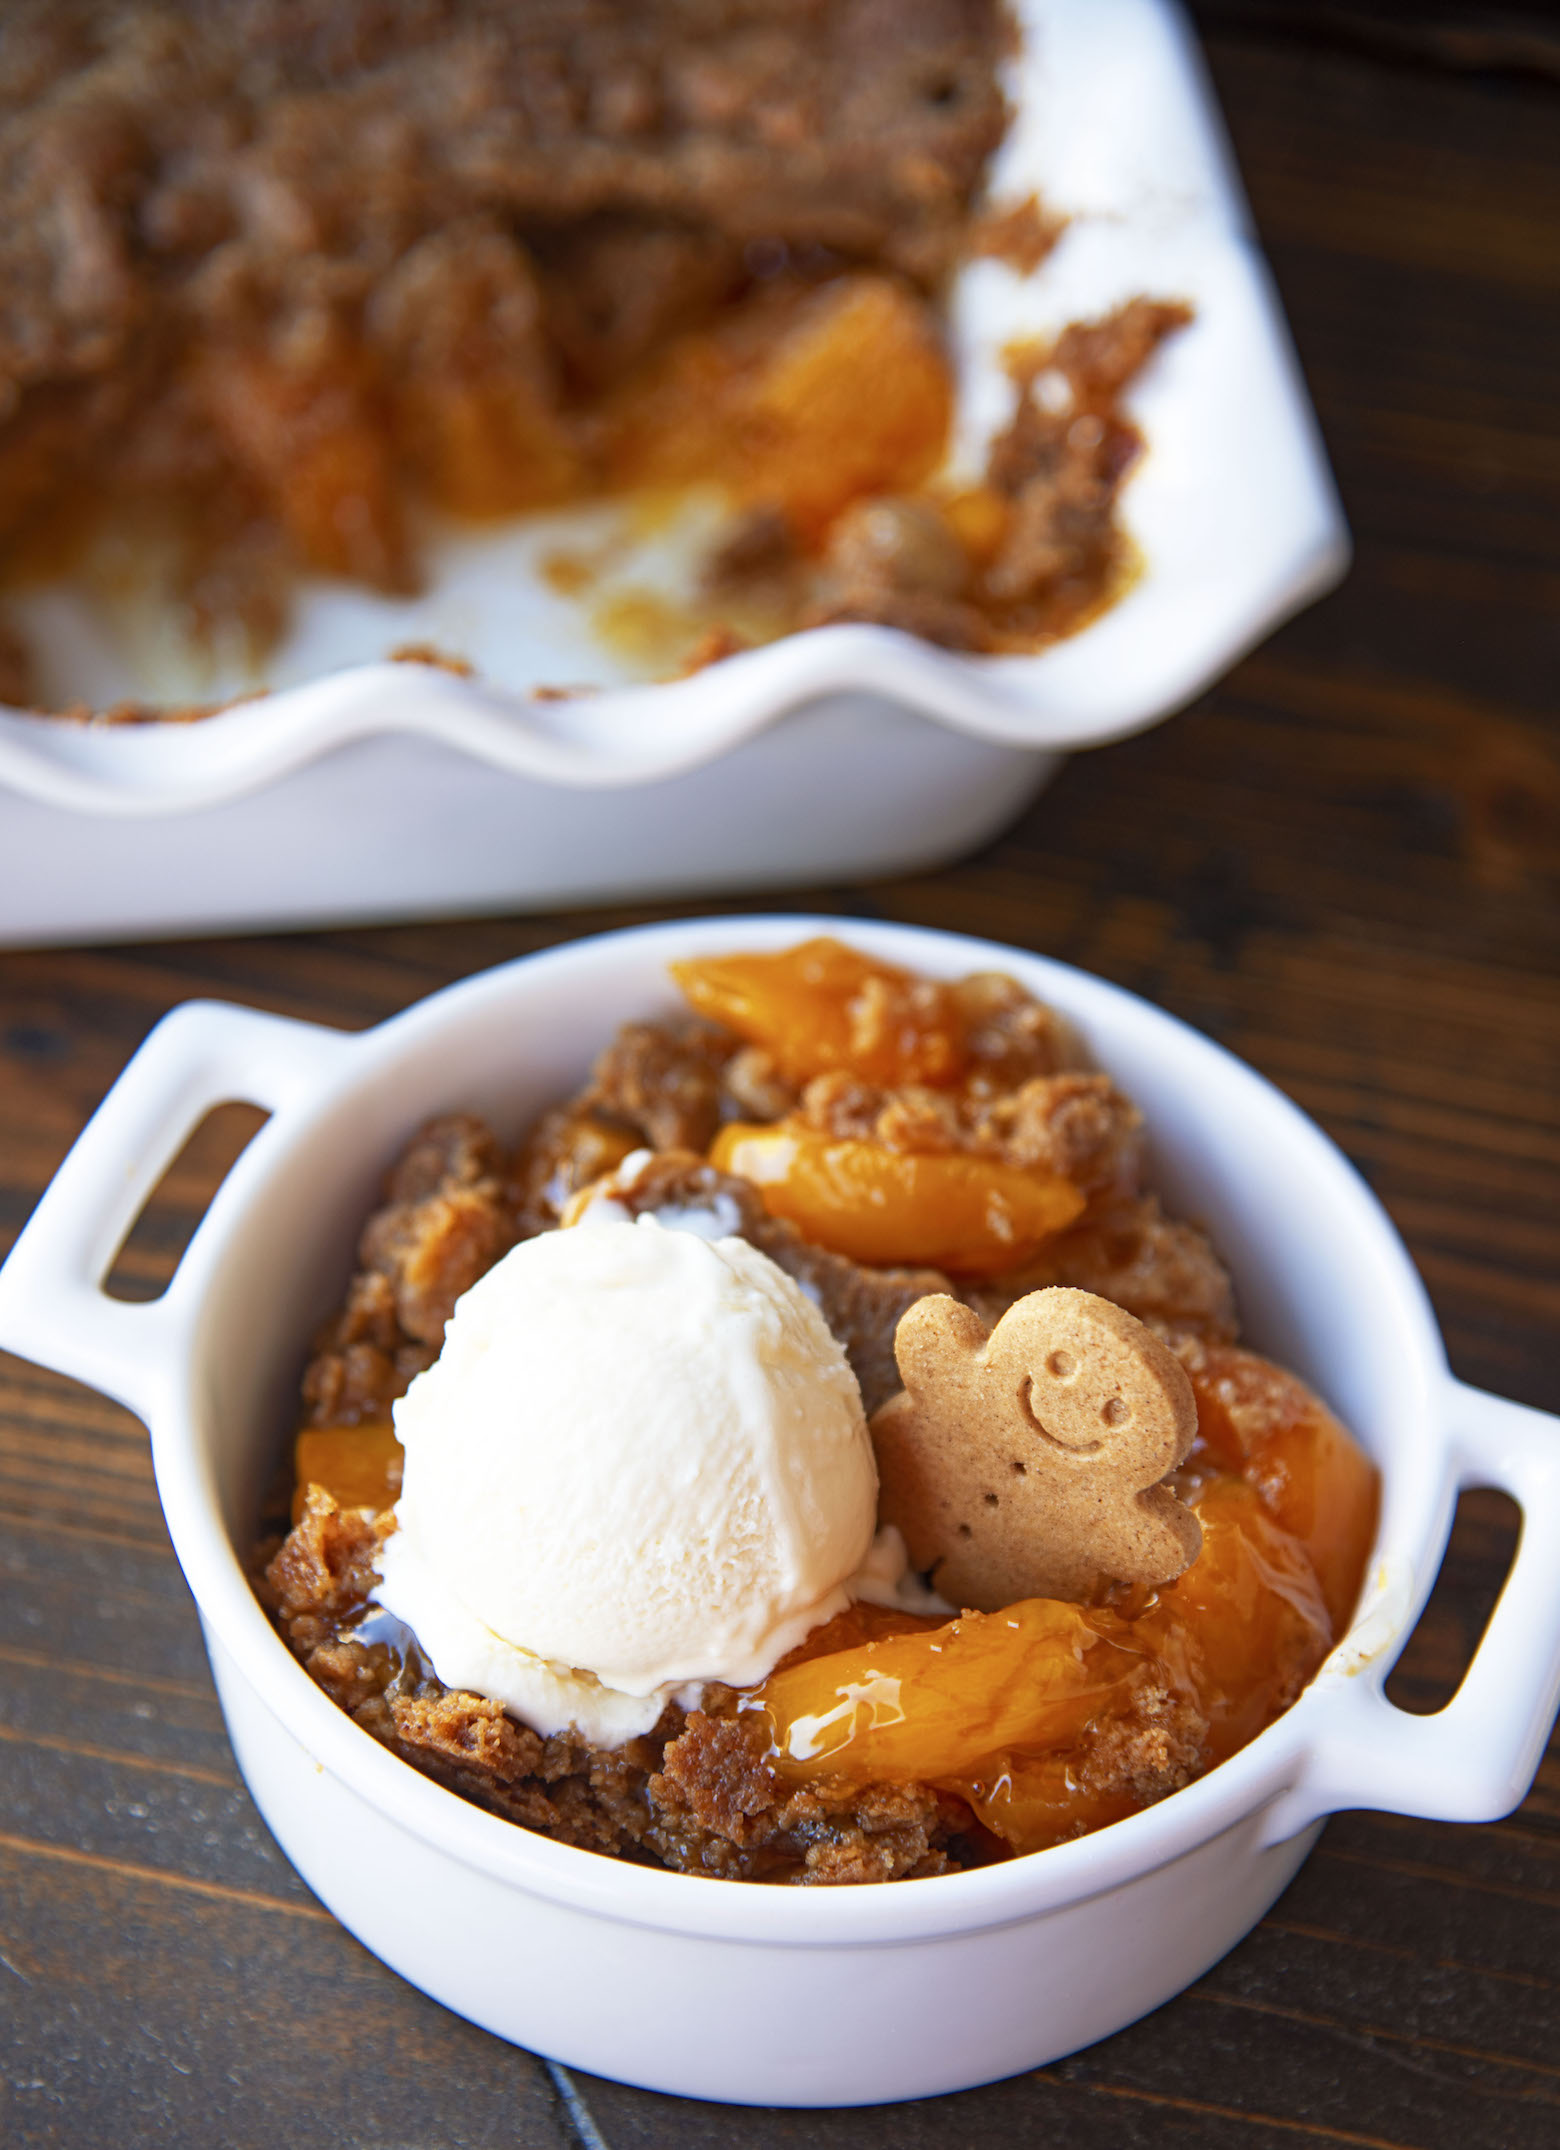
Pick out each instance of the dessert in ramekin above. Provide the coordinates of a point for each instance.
(662, 1978)
(630, 1595)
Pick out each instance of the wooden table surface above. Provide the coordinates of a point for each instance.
(1343, 863)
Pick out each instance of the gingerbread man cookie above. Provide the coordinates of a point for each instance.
(1027, 1463)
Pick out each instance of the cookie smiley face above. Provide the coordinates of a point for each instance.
(1027, 1463)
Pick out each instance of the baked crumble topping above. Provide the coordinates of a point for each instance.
(287, 280)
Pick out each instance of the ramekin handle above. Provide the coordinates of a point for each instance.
(1475, 1759)
(53, 1309)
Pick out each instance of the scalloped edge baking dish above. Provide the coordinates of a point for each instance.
(363, 791)
(721, 1989)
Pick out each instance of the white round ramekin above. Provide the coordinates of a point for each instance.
(717, 1989)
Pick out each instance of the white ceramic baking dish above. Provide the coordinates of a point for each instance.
(720, 1989)
(360, 790)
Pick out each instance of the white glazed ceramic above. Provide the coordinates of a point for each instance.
(363, 790)
(720, 1989)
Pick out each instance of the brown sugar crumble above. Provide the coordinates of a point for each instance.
(287, 279)
(429, 653)
(1022, 235)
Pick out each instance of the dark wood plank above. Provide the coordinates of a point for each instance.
(1344, 863)
(290, 2033)
(1441, 34)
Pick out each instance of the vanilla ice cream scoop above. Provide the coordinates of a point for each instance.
(638, 1464)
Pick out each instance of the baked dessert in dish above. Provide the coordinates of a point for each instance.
(633, 1970)
(824, 1144)
(289, 284)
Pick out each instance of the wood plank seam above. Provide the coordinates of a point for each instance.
(1336, 1937)
(130, 1870)
(1369, 2033)
(47, 1526)
(1318, 2130)
(73, 1669)
(1414, 1870)
(1544, 1841)
(53, 1743)
(578, 2112)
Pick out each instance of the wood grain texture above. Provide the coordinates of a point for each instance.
(1345, 864)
